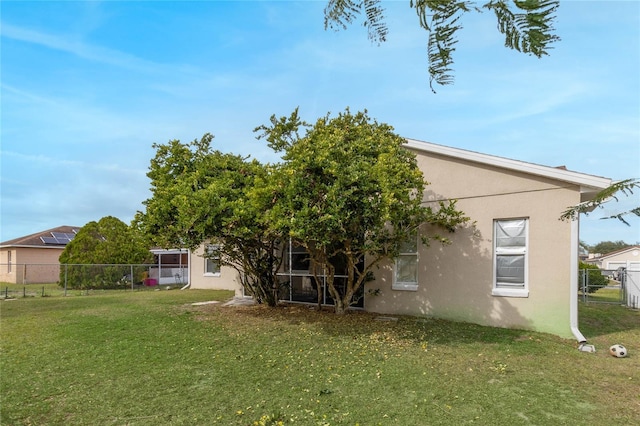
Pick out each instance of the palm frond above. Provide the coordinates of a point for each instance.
(621, 216)
(375, 23)
(441, 19)
(338, 14)
(625, 187)
(531, 29)
(527, 26)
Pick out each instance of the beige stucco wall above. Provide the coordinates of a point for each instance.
(30, 265)
(227, 279)
(456, 281)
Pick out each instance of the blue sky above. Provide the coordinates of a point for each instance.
(88, 87)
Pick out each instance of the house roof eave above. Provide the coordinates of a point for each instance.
(617, 252)
(6, 246)
(589, 184)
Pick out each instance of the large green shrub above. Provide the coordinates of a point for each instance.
(101, 254)
(591, 277)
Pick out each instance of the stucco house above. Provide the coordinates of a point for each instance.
(628, 258)
(516, 268)
(207, 273)
(34, 258)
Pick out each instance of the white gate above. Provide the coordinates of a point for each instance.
(631, 285)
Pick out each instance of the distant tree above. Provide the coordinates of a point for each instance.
(348, 188)
(98, 247)
(605, 247)
(203, 195)
(527, 25)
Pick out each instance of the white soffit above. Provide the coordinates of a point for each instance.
(586, 182)
(168, 251)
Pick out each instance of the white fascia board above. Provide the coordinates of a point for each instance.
(587, 183)
(49, 247)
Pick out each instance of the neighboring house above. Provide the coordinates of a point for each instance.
(628, 257)
(516, 267)
(34, 258)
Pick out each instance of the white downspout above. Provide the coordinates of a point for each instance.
(188, 284)
(573, 286)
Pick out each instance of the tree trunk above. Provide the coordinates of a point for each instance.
(314, 266)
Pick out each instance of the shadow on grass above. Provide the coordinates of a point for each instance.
(357, 324)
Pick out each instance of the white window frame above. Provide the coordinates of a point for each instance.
(504, 289)
(406, 285)
(211, 248)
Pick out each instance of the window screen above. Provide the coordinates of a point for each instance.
(510, 253)
(212, 260)
(406, 266)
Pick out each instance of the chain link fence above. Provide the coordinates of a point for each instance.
(33, 280)
(602, 285)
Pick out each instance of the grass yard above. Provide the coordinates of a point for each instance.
(17, 291)
(13, 291)
(606, 294)
(152, 358)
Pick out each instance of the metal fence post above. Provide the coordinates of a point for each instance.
(65, 278)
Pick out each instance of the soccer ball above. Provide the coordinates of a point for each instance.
(618, 351)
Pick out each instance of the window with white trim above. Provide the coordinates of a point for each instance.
(510, 257)
(405, 270)
(212, 260)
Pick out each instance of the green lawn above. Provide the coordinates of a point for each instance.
(152, 358)
(606, 294)
(16, 291)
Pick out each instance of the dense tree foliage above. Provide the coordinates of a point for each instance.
(591, 278)
(345, 189)
(203, 195)
(348, 189)
(527, 25)
(96, 254)
(605, 247)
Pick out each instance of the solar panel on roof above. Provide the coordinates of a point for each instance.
(59, 238)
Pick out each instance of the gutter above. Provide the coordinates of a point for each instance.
(573, 289)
